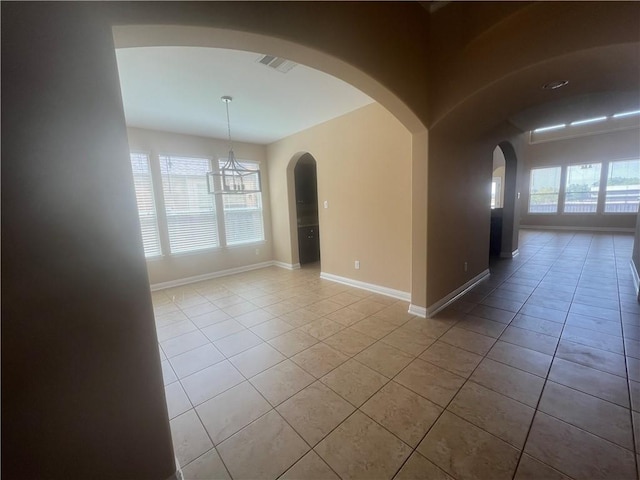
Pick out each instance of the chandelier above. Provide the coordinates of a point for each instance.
(232, 176)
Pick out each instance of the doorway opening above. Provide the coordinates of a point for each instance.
(503, 240)
(306, 191)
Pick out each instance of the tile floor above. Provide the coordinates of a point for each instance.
(535, 373)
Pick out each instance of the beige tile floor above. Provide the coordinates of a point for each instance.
(535, 373)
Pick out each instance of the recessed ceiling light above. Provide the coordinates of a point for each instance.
(555, 84)
(588, 120)
(626, 114)
(552, 127)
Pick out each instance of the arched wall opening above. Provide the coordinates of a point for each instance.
(409, 282)
(510, 222)
(503, 197)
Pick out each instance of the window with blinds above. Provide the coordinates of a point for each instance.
(146, 204)
(190, 209)
(243, 212)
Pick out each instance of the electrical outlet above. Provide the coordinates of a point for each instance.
(257, 251)
(465, 266)
(357, 264)
(326, 204)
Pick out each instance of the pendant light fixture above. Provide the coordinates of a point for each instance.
(232, 177)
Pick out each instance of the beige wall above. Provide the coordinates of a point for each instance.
(616, 145)
(364, 173)
(176, 267)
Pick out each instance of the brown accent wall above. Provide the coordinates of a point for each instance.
(82, 390)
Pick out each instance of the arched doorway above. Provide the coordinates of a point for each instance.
(283, 212)
(504, 222)
(306, 194)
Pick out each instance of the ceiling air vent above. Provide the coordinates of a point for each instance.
(277, 63)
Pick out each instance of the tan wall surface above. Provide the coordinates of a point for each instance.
(364, 172)
(174, 267)
(617, 145)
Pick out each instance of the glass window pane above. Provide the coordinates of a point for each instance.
(544, 189)
(582, 188)
(623, 187)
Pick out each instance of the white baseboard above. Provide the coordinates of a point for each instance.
(579, 229)
(288, 266)
(208, 276)
(418, 311)
(389, 292)
(178, 473)
(453, 296)
(513, 254)
(636, 278)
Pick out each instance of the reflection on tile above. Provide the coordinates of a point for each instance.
(575, 452)
(264, 449)
(360, 448)
(592, 357)
(466, 451)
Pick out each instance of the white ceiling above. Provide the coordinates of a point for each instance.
(178, 89)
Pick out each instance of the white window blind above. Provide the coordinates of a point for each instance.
(146, 204)
(243, 212)
(191, 212)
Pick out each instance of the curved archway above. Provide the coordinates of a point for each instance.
(510, 216)
(170, 35)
